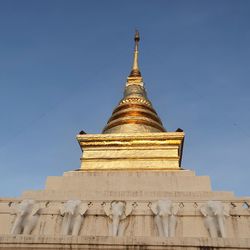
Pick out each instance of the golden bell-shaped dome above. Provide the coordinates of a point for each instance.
(134, 113)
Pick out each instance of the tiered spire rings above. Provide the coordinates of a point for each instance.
(134, 113)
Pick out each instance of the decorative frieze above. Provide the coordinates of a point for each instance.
(153, 218)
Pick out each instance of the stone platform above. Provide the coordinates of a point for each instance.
(128, 243)
(128, 185)
(188, 193)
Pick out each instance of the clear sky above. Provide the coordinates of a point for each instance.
(63, 65)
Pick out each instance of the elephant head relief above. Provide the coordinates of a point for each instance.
(72, 212)
(165, 217)
(215, 213)
(27, 214)
(118, 211)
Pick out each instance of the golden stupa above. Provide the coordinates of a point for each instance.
(134, 137)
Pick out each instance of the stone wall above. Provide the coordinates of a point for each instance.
(189, 219)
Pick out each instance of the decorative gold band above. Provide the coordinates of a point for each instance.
(133, 105)
(135, 113)
(134, 121)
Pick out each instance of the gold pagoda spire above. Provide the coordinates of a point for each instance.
(135, 72)
(134, 113)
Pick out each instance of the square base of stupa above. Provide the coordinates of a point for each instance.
(131, 151)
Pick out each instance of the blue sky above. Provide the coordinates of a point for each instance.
(63, 65)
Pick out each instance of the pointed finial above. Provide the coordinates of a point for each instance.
(135, 72)
(137, 38)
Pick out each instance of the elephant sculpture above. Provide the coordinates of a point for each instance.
(72, 212)
(118, 211)
(165, 217)
(215, 212)
(28, 212)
